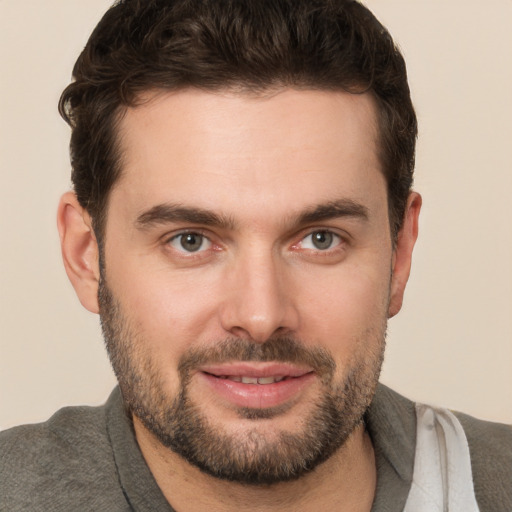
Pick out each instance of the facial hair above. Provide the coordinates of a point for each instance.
(253, 457)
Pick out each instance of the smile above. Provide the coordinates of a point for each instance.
(253, 380)
(256, 385)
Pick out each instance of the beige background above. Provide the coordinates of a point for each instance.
(452, 343)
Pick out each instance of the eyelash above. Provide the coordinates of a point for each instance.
(180, 237)
(177, 238)
(334, 238)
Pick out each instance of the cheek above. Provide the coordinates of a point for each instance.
(171, 311)
(349, 303)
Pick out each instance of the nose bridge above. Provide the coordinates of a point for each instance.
(259, 304)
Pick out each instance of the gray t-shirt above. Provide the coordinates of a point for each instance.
(87, 459)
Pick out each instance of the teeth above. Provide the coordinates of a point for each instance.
(266, 380)
(254, 380)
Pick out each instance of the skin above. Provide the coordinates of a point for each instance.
(261, 163)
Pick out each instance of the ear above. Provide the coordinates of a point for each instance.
(79, 250)
(402, 255)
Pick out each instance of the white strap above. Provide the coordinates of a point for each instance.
(442, 479)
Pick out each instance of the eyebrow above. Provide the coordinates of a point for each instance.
(168, 213)
(333, 210)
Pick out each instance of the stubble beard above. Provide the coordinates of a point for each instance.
(253, 457)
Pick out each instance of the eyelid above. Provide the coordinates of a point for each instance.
(176, 239)
(342, 237)
(339, 234)
(335, 242)
(168, 238)
(169, 235)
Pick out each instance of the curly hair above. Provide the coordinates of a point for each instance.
(244, 45)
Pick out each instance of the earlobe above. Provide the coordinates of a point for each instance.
(402, 256)
(79, 250)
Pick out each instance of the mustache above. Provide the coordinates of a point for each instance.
(279, 349)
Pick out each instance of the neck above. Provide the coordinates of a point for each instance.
(345, 482)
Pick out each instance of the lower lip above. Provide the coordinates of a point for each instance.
(258, 396)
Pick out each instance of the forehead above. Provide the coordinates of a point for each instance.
(212, 149)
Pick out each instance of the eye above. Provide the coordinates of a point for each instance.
(320, 240)
(190, 242)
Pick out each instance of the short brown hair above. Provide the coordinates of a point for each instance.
(250, 45)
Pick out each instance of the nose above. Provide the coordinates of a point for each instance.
(259, 300)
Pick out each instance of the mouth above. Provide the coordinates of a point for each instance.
(257, 385)
(253, 380)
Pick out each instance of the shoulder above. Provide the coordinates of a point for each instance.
(66, 460)
(392, 424)
(59, 432)
(490, 447)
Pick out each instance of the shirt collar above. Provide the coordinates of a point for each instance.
(391, 424)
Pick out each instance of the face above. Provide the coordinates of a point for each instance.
(247, 276)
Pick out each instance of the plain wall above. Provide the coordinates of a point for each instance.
(451, 344)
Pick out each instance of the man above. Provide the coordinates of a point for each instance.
(243, 222)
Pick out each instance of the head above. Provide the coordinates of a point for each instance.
(243, 221)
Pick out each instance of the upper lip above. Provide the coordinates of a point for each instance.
(254, 369)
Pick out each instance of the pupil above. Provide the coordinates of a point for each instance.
(191, 242)
(322, 239)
